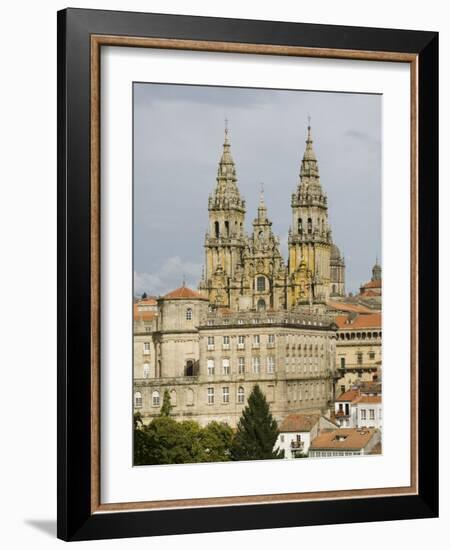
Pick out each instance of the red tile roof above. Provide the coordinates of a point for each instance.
(299, 422)
(147, 302)
(372, 284)
(184, 293)
(349, 395)
(371, 293)
(368, 399)
(143, 315)
(372, 320)
(344, 438)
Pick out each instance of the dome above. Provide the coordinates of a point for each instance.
(335, 252)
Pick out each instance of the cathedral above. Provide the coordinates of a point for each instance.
(248, 272)
(256, 317)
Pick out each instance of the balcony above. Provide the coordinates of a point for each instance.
(210, 347)
(226, 346)
(255, 345)
(297, 445)
(270, 345)
(241, 346)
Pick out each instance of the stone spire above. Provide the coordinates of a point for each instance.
(226, 193)
(262, 208)
(309, 170)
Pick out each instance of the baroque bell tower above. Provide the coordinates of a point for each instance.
(264, 283)
(309, 235)
(225, 239)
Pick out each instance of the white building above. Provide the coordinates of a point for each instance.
(298, 430)
(368, 412)
(356, 409)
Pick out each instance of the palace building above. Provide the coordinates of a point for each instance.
(255, 319)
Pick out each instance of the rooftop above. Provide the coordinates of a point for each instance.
(184, 293)
(372, 284)
(299, 422)
(349, 395)
(373, 399)
(370, 320)
(343, 438)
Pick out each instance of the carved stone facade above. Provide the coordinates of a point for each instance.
(248, 272)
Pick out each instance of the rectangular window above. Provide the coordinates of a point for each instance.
(210, 342)
(372, 414)
(210, 396)
(225, 366)
(210, 366)
(226, 395)
(146, 348)
(271, 338)
(226, 342)
(260, 284)
(342, 362)
(256, 340)
(363, 414)
(146, 370)
(241, 342)
(270, 364)
(241, 365)
(371, 355)
(255, 365)
(359, 358)
(241, 395)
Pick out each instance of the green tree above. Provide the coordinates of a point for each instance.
(215, 440)
(257, 431)
(140, 441)
(166, 405)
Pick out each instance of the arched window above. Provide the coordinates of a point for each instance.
(138, 399)
(227, 229)
(241, 395)
(260, 284)
(216, 229)
(189, 314)
(309, 225)
(189, 369)
(300, 225)
(261, 305)
(155, 398)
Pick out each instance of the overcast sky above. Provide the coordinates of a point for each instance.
(178, 136)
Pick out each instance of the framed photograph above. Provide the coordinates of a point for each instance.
(248, 299)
